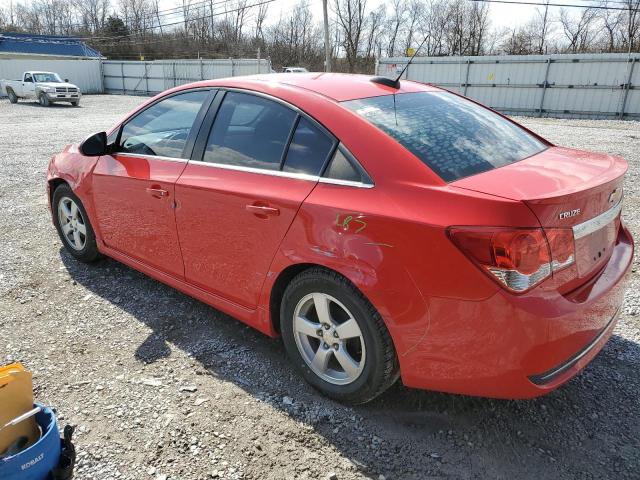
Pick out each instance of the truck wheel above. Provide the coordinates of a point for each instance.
(75, 103)
(13, 98)
(43, 100)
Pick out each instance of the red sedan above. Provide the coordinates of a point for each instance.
(383, 231)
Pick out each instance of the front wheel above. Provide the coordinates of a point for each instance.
(43, 100)
(73, 225)
(336, 338)
(75, 103)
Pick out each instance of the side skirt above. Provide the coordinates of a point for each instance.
(256, 318)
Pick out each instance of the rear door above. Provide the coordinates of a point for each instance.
(251, 169)
(134, 188)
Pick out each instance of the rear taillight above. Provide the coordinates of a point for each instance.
(520, 258)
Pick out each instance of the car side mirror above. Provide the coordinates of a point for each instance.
(95, 145)
(66, 80)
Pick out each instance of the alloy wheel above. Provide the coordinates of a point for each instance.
(72, 224)
(329, 338)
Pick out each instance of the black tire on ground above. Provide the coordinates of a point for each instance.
(75, 103)
(89, 252)
(13, 98)
(43, 100)
(380, 370)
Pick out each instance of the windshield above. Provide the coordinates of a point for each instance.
(454, 137)
(47, 77)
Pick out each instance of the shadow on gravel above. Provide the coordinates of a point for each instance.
(589, 428)
(53, 105)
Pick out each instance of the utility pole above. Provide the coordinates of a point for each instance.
(327, 47)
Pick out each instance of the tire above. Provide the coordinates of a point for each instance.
(70, 226)
(13, 98)
(43, 100)
(75, 103)
(375, 364)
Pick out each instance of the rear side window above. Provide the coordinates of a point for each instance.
(249, 131)
(309, 149)
(344, 167)
(454, 137)
(163, 128)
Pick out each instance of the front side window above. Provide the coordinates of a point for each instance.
(454, 137)
(249, 131)
(163, 129)
(28, 78)
(47, 77)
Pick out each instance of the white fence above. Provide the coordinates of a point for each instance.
(87, 74)
(145, 78)
(582, 85)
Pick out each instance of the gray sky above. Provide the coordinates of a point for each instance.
(502, 15)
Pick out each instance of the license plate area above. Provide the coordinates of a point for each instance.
(594, 249)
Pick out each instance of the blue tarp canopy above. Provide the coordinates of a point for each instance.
(27, 43)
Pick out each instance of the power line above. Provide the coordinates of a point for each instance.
(153, 15)
(537, 4)
(151, 27)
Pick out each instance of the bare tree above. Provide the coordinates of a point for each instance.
(375, 22)
(395, 23)
(350, 15)
(578, 31)
(541, 23)
(632, 23)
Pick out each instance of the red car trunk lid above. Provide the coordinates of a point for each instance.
(565, 188)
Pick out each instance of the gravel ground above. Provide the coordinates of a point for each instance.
(162, 387)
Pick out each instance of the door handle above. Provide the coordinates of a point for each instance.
(263, 210)
(157, 192)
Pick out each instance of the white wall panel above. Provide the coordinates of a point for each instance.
(581, 85)
(144, 78)
(86, 74)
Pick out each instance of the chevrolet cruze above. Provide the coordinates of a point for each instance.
(383, 230)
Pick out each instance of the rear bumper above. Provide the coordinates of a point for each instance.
(523, 346)
(582, 356)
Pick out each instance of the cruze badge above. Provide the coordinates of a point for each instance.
(570, 213)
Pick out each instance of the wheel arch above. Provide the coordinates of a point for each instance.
(55, 183)
(280, 285)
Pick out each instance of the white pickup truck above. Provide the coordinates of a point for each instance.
(45, 87)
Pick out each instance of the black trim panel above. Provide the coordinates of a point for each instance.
(550, 375)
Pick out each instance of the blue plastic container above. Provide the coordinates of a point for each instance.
(37, 461)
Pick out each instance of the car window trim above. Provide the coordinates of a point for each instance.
(197, 154)
(292, 132)
(155, 157)
(195, 128)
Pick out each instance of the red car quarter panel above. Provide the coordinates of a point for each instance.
(382, 231)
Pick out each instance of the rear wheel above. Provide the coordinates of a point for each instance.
(43, 100)
(336, 338)
(73, 225)
(13, 98)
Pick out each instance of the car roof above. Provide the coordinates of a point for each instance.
(337, 86)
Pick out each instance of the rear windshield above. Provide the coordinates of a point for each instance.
(454, 137)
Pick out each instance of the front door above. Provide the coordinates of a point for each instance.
(134, 188)
(28, 86)
(236, 203)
